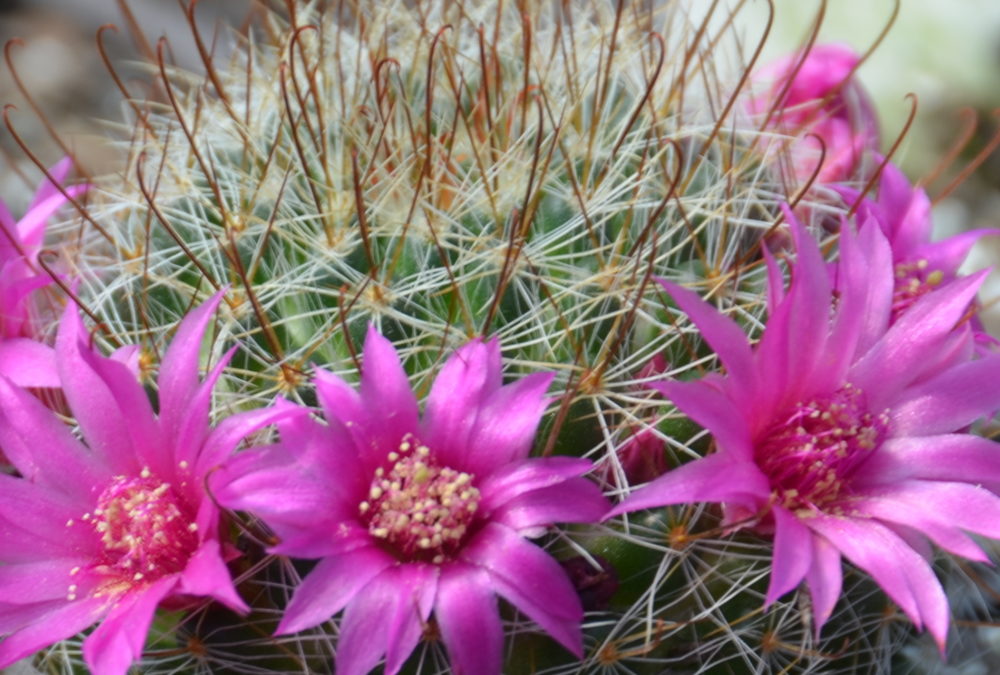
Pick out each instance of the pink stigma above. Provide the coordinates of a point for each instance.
(810, 455)
(146, 531)
(420, 510)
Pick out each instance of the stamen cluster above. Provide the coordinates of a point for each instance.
(913, 280)
(144, 528)
(809, 455)
(420, 509)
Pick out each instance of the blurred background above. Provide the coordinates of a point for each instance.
(60, 65)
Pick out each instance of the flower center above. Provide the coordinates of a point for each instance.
(811, 453)
(147, 533)
(420, 509)
(913, 280)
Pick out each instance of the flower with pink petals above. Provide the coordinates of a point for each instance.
(903, 212)
(413, 517)
(815, 94)
(109, 528)
(22, 359)
(843, 435)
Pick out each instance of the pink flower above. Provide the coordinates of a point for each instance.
(110, 528)
(903, 212)
(816, 94)
(843, 435)
(22, 359)
(414, 516)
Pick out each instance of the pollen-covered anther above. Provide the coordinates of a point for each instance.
(810, 456)
(420, 509)
(142, 525)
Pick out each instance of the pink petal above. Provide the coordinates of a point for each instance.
(775, 281)
(129, 356)
(27, 425)
(19, 544)
(119, 640)
(825, 579)
(952, 457)
(951, 401)
(914, 539)
(531, 581)
(809, 296)
(15, 617)
(40, 580)
(385, 388)
(330, 586)
(897, 568)
(725, 337)
(418, 586)
(339, 400)
(206, 575)
(273, 486)
(464, 382)
(785, 364)
(318, 539)
(576, 500)
(224, 438)
(16, 287)
(308, 476)
(902, 355)
(865, 284)
(302, 436)
(31, 227)
(948, 254)
(937, 510)
(308, 452)
(716, 478)
(34, 522)
(810, 76)
(386, 619)
(92, 402)
(64, 621)
(506, 425)
(47, 188)
(178, 379)
(135, 413)
(793, 549)
(713, 410)
(517, 478)
(343, 408)
(467, 615)
(191, 426)
(907, 212)
(28, 363)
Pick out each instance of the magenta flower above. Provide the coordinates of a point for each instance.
(22, 359)
(417, 516)
(842, 435)
(114, 526)
(903, 212)
(816, 94)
